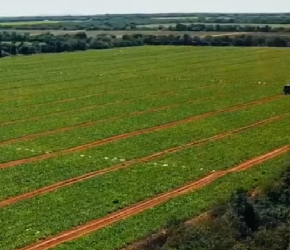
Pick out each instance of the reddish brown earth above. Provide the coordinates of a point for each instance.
(128, 164)
(134, 133)
(84, 108)
(88, 124)
(171, 92)
(168, 92)
(140, 207)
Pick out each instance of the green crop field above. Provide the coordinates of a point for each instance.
(172, 18)
(156, 25)
(87, 134)
(27, 23)
(120, 33)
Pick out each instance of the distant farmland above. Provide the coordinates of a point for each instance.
(101, 148)
(120, 33)
(172, 18)
(156, 25)
(26, 23)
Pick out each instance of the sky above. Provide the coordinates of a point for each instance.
(87, 7)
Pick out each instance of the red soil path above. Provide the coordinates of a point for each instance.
(85, 108)
(167, 92)
(88, 124)
(140, 207)
(71, 99)
(134, 133)
(130, 163)
(98, 94)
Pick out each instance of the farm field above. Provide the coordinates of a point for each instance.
(26, 23)
(172, 18)
(101, 148)
(156, 25)
(120, 33)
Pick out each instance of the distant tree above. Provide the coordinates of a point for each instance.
(32, 50)
(181, 27)
(244, 213)
(187, 39)
(59, 47)
(24, 49)
(81, 35)
(126, 37)
(13, 50)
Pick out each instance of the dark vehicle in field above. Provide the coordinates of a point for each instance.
(287, 89)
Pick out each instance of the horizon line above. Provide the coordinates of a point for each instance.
(140, 13)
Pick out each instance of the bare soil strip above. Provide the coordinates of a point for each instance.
(88, 85)
(130, 163)
(167, 92)
(137, 208)
(84, 125)
(85, 108)
(231, 34)
(71, 99)
(88, 124)
(173, 91)
(134, 133)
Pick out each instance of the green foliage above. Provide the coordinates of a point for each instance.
(147, 21)
(240, 228)
(110, 89)
(243, 213)
(26, 43)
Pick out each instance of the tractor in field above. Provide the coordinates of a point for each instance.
(287, 89)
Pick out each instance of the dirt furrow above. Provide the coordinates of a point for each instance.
(88, 85)
(130, 163)
(88, 124)
(71, 99)
(58, 113)
(84, 125)
(171, 92)
(66, 100)
(134, 133)
(85, 108)
(262, 158)
(135, 209)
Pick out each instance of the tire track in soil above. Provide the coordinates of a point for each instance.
(130, 163)
(167, 92)
(78, 87)
(71, 99)
(90, 77)
(65, 89)
(86, 108)
(150, 203)
(19, 97)
(88, 124)
(134, 133)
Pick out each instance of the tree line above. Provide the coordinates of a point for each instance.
(26, 44)
(224, 28)
(132, 21)
(124, 24)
